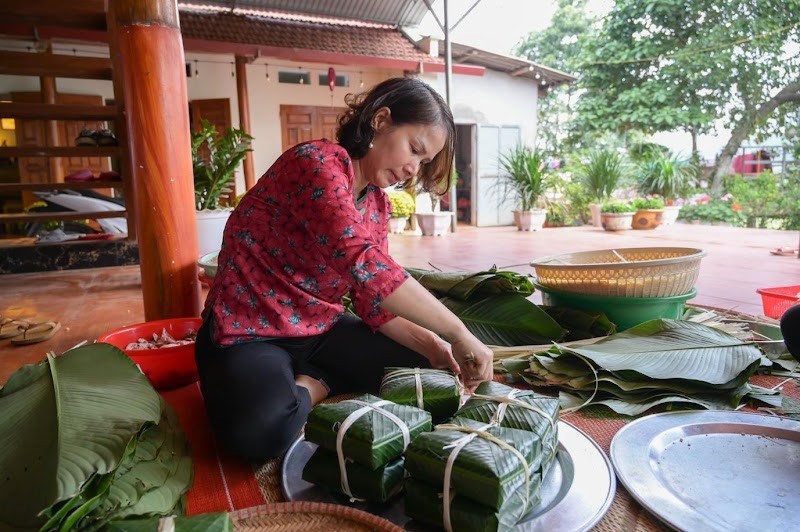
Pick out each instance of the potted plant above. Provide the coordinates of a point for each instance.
(616, 216)
(600, 174)
(668, 176)
(434, 222)
(215, 158)
(402, 209)
(649, 212)
(525, 178)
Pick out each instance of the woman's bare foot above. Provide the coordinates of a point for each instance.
(316, 389)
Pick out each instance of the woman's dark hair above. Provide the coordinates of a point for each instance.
(410, 101)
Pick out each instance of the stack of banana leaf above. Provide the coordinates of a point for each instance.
(482, 471)
(657, 362)
(218, 522)
(493, 305)
(361, 442)
(434, 390)
(84, 440)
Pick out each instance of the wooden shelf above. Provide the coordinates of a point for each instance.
(61, 151)
(57, 112)
(82, 14)
(25, 217)
(76, 185)
(55, 65)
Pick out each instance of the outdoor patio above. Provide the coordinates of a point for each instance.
(89, 303)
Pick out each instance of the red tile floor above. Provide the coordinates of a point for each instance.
(89, 303)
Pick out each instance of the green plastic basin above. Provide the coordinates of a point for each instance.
(625, 312)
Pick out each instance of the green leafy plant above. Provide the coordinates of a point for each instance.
(647, 203)
(617, 207)
(525, 176)
(669, 176)
(215, 165)
(601, 173)
(403, 204)
(715, 211)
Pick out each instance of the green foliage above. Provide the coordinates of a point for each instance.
(672, 64)
(617, 207)
(641, 150)
(647, 203)
(214, 172)
(601, 173)
(525, 176)
(403, 204)
(715, 211)
(669, 176)
(570, 202)
(769, 200)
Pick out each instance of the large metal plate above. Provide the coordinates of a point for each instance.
(575, 493)
(713, 470)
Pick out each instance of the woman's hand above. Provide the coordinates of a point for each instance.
(475, 360)
(440, 355)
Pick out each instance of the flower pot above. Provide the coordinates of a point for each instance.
(434, 223)
(532, 220)
(397, 225)
(597, 219)
(670, 215)
(647, 218)
(616, 221)
(210, 226)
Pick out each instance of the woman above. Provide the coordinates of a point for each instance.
(276, 339)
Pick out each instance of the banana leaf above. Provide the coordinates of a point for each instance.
(424, 504)
(506, 319)
(483, 471)
(633, 408)
(379, 485)
(469, 285)
(672, 349)
(373, 440)
(65, 421)
(581, 324)
(441, 390)
(541, 421)
(219, 522)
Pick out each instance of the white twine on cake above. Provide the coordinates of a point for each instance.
(512, 400)
(348, 422)
(457, 446)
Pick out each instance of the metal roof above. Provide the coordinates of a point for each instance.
(393, 12)
(514, 66)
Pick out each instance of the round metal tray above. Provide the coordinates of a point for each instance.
(713, 470)
(575, 494)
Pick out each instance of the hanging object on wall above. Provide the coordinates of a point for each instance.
(331, 78)
(266, 69)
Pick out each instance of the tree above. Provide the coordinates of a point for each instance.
(558, 46)
(680, 64)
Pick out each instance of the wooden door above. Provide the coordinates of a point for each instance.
(300, 123)
(32, 133)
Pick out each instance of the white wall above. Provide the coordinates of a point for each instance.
(494, 98)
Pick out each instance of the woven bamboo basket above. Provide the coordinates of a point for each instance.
(623, 272)
(308, 516)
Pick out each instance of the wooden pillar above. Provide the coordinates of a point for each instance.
(148, 53)
(244, 116)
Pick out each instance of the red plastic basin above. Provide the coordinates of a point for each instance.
(166, 367)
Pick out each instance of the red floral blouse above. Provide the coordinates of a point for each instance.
(297, 243)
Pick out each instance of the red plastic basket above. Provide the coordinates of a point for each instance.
(779, 299)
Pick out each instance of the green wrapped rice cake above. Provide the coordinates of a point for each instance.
(511, 407)
(489, 468)
(380, 485)
(369, 429)
(434, 390)
(424, 503)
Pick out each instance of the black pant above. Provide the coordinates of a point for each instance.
(790, 328)
(254, 406)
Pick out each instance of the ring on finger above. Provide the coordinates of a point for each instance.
(469, 356)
